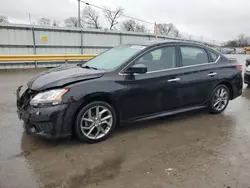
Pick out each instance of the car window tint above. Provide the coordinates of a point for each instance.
(159, 59)
(114, 57)
(193, 56)
(213, 55)
(156, 54)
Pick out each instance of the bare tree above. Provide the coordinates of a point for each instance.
(91, 17)
(242, 40)
(71, 22)
(177, 33)
(232, 43)
(141, 28)
(55, 23)
(128, 25)
(3, 20)
(44, 21)
(131, 25)
(113, 16)
(167, 29)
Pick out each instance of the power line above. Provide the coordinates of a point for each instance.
(130, 17)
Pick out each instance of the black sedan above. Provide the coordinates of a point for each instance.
(125, 84)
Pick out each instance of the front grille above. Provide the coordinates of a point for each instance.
(26, 98)
(45, 127)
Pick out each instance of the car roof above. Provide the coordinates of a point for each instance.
(167, 41)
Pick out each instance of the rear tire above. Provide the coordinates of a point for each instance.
(95, 122)
(219, 99)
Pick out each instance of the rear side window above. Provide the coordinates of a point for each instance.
(193, 56)
(214, 56)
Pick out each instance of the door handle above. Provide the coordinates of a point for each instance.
(174, 80)
(212, 74)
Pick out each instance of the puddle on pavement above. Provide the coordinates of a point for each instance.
(107, 170)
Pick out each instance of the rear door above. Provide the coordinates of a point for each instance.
(199, 75)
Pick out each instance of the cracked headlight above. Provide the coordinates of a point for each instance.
(51, 97)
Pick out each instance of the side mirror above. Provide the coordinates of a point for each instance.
(247, 62)
(137, 69)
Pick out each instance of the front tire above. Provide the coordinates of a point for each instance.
(219, 99)
(95, 122)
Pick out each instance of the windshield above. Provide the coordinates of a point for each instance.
(114, 57)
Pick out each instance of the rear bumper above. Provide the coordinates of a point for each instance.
(237, 86)
(48, 122)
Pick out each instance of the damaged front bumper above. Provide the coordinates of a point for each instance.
(48, 122)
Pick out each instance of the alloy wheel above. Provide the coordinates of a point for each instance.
(220, 99)
(96, 122)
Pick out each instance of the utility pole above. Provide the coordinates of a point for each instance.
(156, 31)
(30, 18)
(79, 14)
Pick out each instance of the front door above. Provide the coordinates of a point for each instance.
(155, 91)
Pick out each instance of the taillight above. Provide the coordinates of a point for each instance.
(239, 67)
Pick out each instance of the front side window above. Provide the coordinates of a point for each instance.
(193, 56)
(159, 59)
(114, 57)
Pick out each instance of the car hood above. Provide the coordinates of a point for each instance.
(61, 76)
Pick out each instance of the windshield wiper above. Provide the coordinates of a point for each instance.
(88, 67)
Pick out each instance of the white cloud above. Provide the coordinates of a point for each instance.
(218, 20)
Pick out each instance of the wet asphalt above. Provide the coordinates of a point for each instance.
(193, 149)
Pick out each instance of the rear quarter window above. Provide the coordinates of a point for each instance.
(213, 55)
